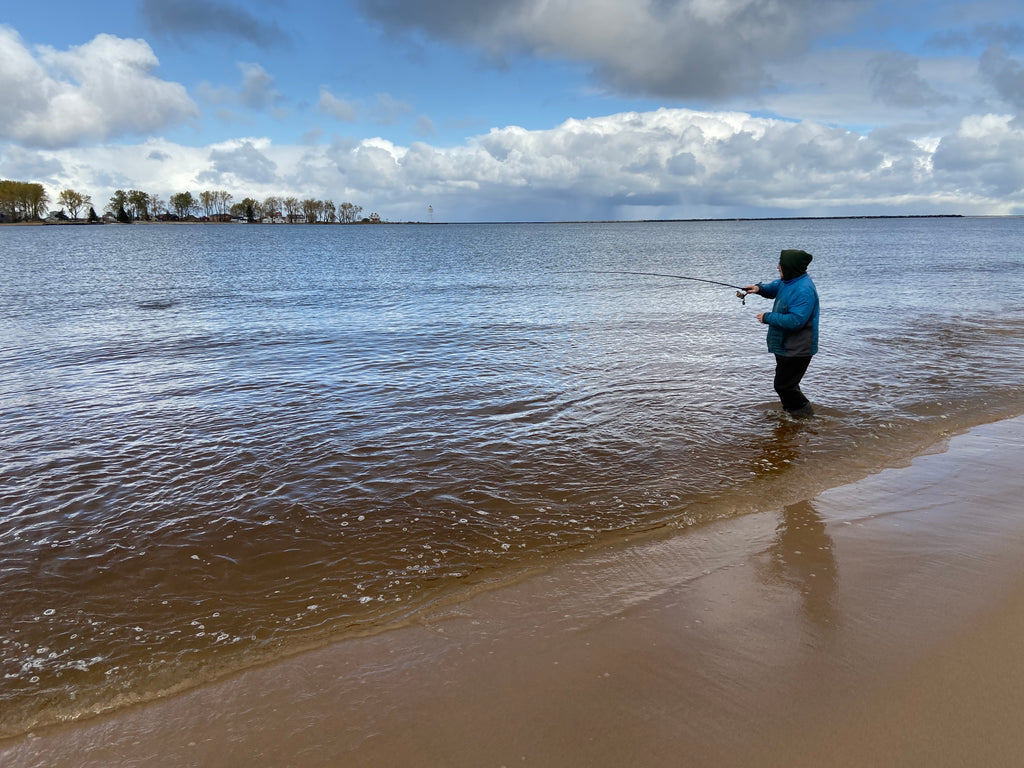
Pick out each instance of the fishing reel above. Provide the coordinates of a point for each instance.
(742, 296)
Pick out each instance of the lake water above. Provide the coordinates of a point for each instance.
(224, 444)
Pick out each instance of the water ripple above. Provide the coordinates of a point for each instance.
(213, 454)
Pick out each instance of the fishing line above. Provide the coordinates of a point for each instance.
(740, 293)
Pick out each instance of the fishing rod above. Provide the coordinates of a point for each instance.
(740, 292)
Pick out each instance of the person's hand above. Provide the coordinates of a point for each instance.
(760, 316)
(752, 289)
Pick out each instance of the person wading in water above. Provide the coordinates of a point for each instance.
(792, 327)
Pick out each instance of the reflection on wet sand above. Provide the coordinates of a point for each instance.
(802, 556)
(802, 552)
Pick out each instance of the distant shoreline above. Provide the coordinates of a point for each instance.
(824, 218)
(759, 218)
(562, 221)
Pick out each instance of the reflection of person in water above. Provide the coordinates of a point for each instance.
(802, 555)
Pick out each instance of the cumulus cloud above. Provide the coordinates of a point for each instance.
(683, 163)
(678, 163)
(984, 157)
(96, 91)
(896, 81)
(672, 48)
(389, 110)
(256, 90)
(239, 163)
(1006, 75)
(424, 126)
(19, 163)
(864, 90)
(186, 19)
(336, 107)
(385, 109)
(668, 163)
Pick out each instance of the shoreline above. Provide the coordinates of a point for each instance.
(841, 630)
(725, 219)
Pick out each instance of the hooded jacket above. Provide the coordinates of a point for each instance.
(793, 321)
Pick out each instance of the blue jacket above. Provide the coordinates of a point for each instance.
(793, 321)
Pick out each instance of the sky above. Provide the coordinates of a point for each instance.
(525, 110)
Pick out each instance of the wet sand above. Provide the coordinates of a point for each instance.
(877, 624)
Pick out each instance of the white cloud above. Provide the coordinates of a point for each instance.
(256, 90)
(669, 163)
(23, 164)
(388, 110)
(338, 108)
(984, 158)
(384, 110)
(861, 89)
(424, 126)
(96, 91)
(241, 163)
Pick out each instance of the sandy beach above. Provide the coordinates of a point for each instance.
(876, 624)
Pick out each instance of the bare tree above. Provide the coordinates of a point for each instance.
(224, 202)
(208, 200)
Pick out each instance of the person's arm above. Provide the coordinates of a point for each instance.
(801, 308)
(768, 290)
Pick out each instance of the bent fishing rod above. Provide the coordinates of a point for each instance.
(740, 292)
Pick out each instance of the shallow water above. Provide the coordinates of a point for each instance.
(221, 444)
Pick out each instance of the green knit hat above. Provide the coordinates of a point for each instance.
(794, 263)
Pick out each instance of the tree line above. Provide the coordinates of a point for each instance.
(218, 204)
(22, 200)
(26, 201)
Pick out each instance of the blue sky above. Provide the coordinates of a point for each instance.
(525, 109)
